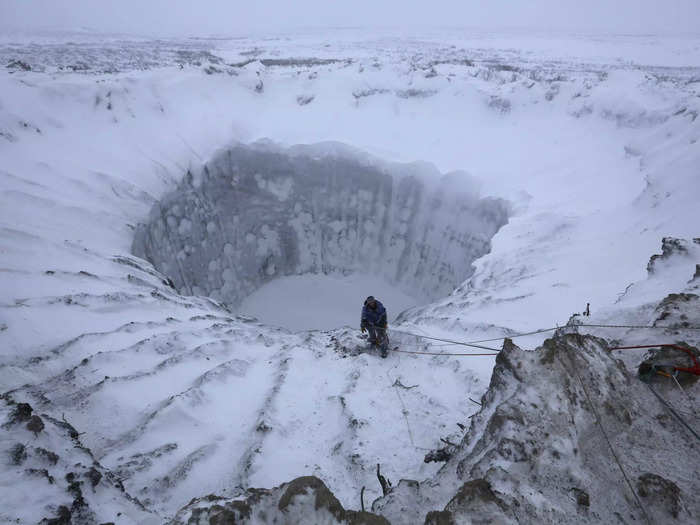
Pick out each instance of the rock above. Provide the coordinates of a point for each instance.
(440, 517)
(675, 310)
(324, 498)
(670, 246)
(354, 517)
(477, 502)
(56, 481)
(535, 452)
(18, 453)
(216, 514)
(582, 497)
(49, 456)
(21, 413)
(35, 424)
(439, 455)
(304, 100)
(63, 517)
(662, 496)
(44, 473)
(18, 65)
(94, 476)
(302, 500)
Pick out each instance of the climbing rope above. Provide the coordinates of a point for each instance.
(513, 336)
(404, 410)
(607, 439)
(439, 353)
(475, 344)
(690, 399)
(639, 326)
(462, 343)
(695, 369)
(545, 330)
(670, 408)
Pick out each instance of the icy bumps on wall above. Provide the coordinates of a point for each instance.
(255, 213)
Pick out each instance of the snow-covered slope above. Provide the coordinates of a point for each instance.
(596, 151)
(561, 433)
(49, 474)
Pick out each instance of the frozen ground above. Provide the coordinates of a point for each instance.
(594, 142)
(321, 302)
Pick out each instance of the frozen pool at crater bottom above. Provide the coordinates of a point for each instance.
(321, 302)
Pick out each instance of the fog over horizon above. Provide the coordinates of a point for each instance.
(221, 17)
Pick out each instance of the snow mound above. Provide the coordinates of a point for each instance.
(253, 214)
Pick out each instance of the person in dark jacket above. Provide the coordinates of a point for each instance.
(374, 322)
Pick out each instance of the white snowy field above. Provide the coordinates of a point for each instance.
(594, 141)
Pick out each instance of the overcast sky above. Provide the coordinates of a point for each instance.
(188, 17)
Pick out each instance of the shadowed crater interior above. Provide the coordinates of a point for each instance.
(256, 213)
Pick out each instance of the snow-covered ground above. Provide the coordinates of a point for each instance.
(595, 143)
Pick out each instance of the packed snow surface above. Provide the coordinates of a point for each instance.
(593, 142)
(317, 301)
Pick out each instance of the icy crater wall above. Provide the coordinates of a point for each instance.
(256, 213)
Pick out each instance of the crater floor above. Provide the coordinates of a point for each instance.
(322, 302)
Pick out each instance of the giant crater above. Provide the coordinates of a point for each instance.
(255, 213)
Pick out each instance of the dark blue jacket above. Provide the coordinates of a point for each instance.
(374, 316)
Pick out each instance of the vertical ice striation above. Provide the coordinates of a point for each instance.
(254, 213)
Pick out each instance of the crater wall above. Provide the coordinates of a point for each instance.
(254, 213)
